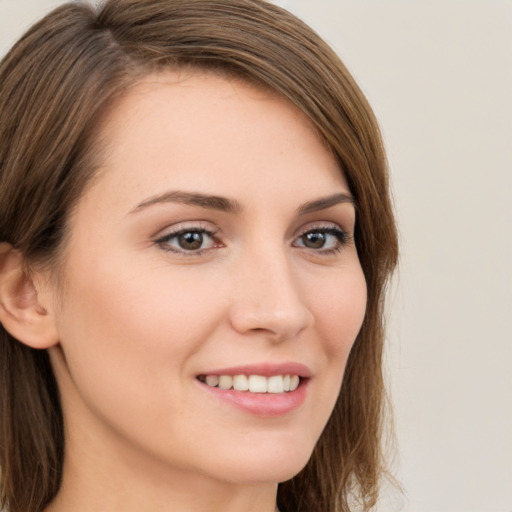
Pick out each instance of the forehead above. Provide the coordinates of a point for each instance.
(176, 125)
(189, 96)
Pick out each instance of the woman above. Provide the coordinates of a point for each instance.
(184, 284)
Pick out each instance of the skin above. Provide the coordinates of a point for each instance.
(137, 320)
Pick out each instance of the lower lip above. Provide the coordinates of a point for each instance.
(261, 404)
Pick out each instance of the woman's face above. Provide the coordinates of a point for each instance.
(216, 241)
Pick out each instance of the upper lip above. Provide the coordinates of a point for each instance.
(264, 369)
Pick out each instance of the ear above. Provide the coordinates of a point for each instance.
(22, 311)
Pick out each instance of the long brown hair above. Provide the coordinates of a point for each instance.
(57, 82)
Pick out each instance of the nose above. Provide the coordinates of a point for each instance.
(269, 299)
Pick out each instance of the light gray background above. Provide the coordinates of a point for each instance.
(439, 75)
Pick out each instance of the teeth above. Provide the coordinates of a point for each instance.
(212, 380)
(253, 383)
(240, 383)
(257, 384)
(275, 384)
(225, 382)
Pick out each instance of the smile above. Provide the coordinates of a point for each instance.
(264, 389)
(253, 383)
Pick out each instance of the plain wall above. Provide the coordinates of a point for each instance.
(439, 75)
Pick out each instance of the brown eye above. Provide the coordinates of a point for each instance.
(324, 239)
(191, 240)
(314, 240)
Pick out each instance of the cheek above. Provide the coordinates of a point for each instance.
(123, 311)
(339, 311)
(124, 324)
(129, 338)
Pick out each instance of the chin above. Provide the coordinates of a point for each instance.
(273, 463)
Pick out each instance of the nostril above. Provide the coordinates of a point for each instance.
(282, 322)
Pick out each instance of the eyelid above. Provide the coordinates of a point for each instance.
(322, 225)
(164, 236)
(343, 236)
(178, 227)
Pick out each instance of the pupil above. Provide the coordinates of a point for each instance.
(191, 240)
(314, 240)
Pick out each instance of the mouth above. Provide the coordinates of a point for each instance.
(274, 384)
(266, 390)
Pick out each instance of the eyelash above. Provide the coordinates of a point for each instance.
(342, 239)
(163, 241)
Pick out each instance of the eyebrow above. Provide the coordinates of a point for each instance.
(232, 206)
(194, 199)
(325, 202)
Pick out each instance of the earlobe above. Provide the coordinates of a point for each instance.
(21, 312)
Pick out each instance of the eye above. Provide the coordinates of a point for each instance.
(323, 239)
(190, 240)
